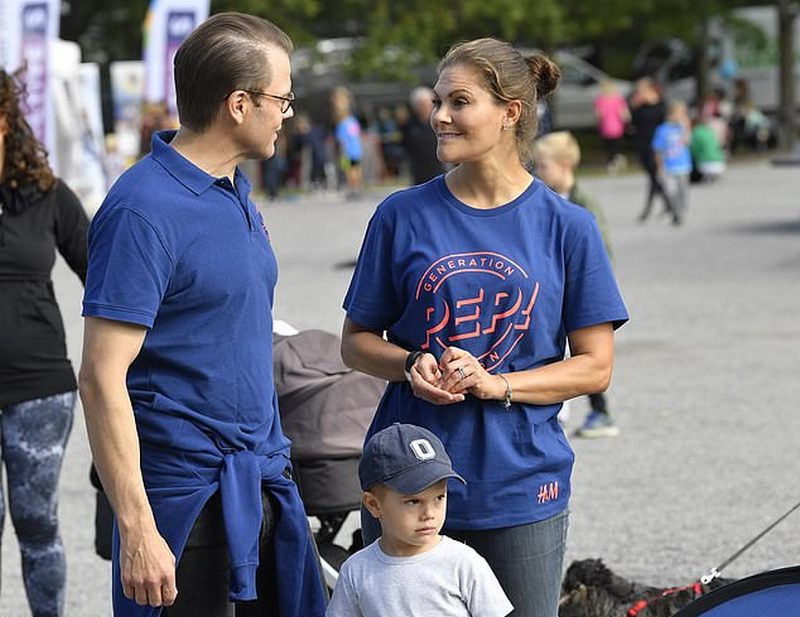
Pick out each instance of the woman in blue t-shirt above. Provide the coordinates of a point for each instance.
(478, 279)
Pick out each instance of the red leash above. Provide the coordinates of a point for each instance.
(639, 606)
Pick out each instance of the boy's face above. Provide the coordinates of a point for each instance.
(553, 173)
(410, 523)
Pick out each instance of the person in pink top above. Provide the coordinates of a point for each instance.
(612, 116)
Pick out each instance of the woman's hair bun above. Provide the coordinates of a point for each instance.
(545, 72)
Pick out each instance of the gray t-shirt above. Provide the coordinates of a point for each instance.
(450, 580)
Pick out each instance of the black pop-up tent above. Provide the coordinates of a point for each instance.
(768, 594)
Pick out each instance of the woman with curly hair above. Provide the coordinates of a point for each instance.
(38, 214)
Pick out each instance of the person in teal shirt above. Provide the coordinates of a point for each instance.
(707, 154)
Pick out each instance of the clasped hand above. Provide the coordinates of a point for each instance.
(456, 374)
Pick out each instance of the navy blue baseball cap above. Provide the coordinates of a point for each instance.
(405, 457)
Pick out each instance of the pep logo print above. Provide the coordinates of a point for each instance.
(487, 320)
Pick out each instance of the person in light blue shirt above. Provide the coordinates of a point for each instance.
(674, 159)
(477, 279)
(177, 382)
(348, 139)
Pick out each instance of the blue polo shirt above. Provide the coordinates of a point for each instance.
(508, 285)
(187, 255)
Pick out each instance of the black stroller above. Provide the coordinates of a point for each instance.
(326, 409)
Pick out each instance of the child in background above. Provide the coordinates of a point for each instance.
(673, 159)
(411, 569)
(613, 115)
(707, 154)
(348, 136)
(556, 157)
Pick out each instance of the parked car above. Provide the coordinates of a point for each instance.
(573, 101)
(318, 70)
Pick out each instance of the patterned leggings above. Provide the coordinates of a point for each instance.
(33, 435)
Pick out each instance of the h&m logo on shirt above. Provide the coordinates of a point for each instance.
(547, 492)
(488, 321)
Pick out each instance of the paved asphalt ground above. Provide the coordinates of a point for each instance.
(705, 389)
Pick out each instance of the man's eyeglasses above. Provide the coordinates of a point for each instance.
(286, 101)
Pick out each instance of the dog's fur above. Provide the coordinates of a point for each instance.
(590, 589)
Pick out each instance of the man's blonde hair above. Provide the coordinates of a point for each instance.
(560, 146)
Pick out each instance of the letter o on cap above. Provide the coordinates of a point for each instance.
(422, 449)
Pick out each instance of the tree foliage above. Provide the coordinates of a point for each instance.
(106, 30)
(396, 36)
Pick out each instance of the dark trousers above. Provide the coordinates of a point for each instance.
(613, 146)
(598, 403)
(648, 160)
(203, 572)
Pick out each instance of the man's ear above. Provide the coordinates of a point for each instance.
(235, 106)
(372, 503)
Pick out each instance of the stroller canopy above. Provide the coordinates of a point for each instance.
(325, 407)
(769, 594)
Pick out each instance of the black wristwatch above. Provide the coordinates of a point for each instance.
(411, 360)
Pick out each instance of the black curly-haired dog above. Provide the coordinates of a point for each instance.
(590, 589)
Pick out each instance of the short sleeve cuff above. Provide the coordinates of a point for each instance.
(114, 313)
(616, 321)
(365, 319)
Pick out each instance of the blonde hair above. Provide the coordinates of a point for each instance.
(560, 146)
(341, 103)
(677, 110)
(509, 76)
(608, 87)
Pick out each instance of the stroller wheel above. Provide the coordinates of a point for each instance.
(334, 554)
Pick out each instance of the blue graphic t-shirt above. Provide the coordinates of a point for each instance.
(670, 142)
(506, 284)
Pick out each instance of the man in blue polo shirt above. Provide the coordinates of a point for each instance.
(176, 380)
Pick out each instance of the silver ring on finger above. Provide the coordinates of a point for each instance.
(461, 372)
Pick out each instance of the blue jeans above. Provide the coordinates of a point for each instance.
(528, 560)
(33, 435)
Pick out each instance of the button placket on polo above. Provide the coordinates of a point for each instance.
(230, 193)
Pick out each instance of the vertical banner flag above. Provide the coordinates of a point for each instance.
(127, 89)
(27, 29)
(4, 33)
(167, 24)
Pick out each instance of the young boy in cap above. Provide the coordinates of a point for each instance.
(411, 569)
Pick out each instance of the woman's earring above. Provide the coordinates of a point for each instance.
(506, 127)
